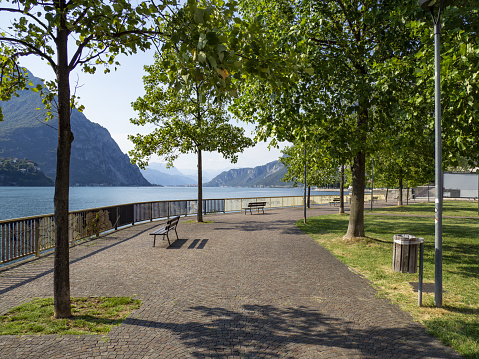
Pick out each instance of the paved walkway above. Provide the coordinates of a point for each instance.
(244, 286)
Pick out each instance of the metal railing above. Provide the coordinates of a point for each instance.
(23, 237)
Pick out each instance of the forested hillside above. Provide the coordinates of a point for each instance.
(22, 172)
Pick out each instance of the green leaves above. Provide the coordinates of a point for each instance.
(12, 77)
(202, 41)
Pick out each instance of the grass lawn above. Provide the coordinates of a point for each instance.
(93, 315)
(449, 208)
(457, 323)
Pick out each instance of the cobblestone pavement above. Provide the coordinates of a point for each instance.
(247, 286)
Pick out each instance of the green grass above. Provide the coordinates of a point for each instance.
(93, 315)
(194, 221)
(457, 323)
(450, 208)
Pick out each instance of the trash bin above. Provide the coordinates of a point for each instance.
(405, 253)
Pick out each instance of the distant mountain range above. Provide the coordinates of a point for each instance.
(157, 173)
(96, 158)
(268, 175)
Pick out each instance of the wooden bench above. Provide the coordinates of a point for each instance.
(165, 228)
(335, 201)
(257, 205)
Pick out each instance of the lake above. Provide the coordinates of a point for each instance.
(17, 202)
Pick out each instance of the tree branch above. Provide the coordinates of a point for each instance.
(351, 27)
(38, 21)
(33, 49)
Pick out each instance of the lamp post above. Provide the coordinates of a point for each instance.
(304, 180)
(431, 6)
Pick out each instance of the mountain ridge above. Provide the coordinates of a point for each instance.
(268, 175)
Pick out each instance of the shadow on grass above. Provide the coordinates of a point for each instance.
(450, 208)
(452, 331)
(460, 237)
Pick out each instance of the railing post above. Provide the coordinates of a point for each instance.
(4, 243)
(151, 211)
(117, 218)
(36, 231)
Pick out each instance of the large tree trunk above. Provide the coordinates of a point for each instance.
(341, 190)
(61, 269)
(199, 215)
(356, 217)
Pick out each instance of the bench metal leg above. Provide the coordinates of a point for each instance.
(167, 237)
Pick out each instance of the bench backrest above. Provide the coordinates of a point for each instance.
(256, 204)
(171, 223)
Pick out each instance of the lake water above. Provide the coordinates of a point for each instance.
(16, 202)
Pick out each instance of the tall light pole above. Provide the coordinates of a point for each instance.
(304, 180)
(431, 6)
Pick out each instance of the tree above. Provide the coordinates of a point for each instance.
(95, 32)
(189, 114)
(322, 168)
(407, 156)
(345, 41)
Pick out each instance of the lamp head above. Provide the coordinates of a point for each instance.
(428, 5)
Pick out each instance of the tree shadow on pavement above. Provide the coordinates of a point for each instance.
(292, 332)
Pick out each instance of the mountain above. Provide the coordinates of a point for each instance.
(165, 179)
(268, 175)
(22, 172)
(96, 158)
(208, 174)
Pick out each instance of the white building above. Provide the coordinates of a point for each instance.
(463, 185)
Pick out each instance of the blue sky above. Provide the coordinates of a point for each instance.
(107, 99)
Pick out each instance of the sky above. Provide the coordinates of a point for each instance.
(107, 99)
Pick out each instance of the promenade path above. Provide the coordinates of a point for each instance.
(243, 286)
